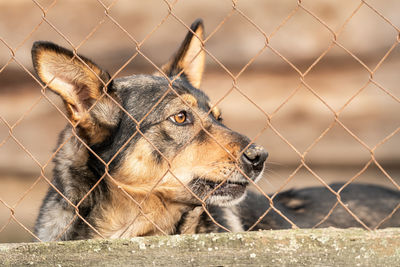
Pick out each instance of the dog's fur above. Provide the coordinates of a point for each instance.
(143, 153)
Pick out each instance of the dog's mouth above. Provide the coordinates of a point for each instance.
(227, 187)
(219, 193)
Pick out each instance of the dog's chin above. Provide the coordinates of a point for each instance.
(226, 200)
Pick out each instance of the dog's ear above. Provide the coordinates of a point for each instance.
(79, 82)
(190, 56)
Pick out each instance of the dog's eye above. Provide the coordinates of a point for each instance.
(180, 118)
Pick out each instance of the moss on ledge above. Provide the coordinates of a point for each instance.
(319, 247)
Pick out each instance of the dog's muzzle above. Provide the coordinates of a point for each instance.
(253, 159)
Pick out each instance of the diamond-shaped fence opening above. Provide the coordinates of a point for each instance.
(21, 194)
(384, 78)
(309, 42)
(374, 20)
(300, 111)
(315, 83)
(333, 14)
(384, 153)
(375, 102)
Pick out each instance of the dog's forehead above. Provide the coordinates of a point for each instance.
(137, 81)
(149, 88)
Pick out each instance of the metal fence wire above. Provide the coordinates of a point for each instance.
(170, 6)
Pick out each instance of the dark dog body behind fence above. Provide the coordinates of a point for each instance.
(146, 156)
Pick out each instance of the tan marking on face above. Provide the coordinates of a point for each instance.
(140, 175)
(207, 159)
(191, 100)
(139, 168)
(216, 112)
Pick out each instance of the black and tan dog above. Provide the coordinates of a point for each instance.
(142, 153)
(164, 144)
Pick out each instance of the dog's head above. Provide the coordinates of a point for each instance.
(157, 133)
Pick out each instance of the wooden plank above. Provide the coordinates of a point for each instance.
(318, 247)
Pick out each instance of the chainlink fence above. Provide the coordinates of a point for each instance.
(304, 158)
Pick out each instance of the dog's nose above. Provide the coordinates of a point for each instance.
(255, 156)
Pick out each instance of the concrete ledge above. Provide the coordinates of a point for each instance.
(319, 247)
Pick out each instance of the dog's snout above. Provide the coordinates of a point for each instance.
(255, 156)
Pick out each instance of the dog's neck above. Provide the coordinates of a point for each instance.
(127, 215)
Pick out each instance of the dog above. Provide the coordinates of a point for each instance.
(149, 154)
(141, 153)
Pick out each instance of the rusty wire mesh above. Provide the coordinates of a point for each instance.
(235, 10)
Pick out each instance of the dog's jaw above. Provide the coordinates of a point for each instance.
(226, 200)
(227, 192)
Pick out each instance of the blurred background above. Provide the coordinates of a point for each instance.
(345, 51)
